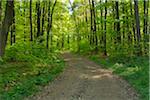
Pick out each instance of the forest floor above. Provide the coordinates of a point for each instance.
(85, 80)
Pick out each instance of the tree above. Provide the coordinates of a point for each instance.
(145, 25)
(38, 8)
(117, 22)
(12, 32)
(7, 22)
(91, 21)
(50, 20)
(105, 50)
(136, 11)
(94, 28)
(31, 33)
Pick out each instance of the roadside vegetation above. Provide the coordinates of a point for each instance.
(24, 70)
(133, 69)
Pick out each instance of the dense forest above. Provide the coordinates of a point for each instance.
(34, 33)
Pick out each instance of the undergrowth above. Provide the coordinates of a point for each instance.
(133, 69)
(25, 68)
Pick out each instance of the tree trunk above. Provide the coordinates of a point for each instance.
(50, 20)
(94, 30)
(123, 29)
(145, 27)
(48, 26)
(102, 34)
(24, 20)
(132, 22)
(43, 17)
(8, 19)
(91, 16)
(38, 17)
(137, 26)
(118, 22)
(0, 14)
(105, 50)
(12, 32)
(31, 33)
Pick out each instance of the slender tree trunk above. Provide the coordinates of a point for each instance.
(145, 27)
(123, 26)
(50, 22)
(68, 41)
(137, 26)
(48, 26)
(31, 33)
(38, 18)
(137, 20)
(43, 17)
(0, 14)
(24, 20)
(132, 22)
(105, 50)
(94, 30)
(118, 22)
(102, 34)
(8, 20)
(12, 32)
(62, 43)
(91, 16)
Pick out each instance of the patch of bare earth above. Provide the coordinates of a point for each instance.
(85, 80)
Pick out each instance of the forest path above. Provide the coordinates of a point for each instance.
(85, 80)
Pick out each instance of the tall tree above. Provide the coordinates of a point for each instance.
(7, 22)
(145, 26)
(43, 17)
(38, 8)
(31, 33)
(132, 22)
(50, 20)
(24, 20)
(101, 11)
(105, 50)
(91, 20)
(136, 10)
(0, 13)
(94, 28)
(117, 22)
(12, 32)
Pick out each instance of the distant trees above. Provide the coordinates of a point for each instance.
(123, 35)
(104, 26)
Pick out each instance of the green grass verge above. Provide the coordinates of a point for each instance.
(26, 68)
(133, 69)
(21, 79)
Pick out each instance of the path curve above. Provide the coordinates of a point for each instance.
(85, 80)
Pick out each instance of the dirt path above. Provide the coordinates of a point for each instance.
(85, 80)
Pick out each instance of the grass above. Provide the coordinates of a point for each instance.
(24, 69)
(133, 69)
(21, 79)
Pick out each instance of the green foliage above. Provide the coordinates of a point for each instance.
(134, 69)
(1, 60)
(27, 67)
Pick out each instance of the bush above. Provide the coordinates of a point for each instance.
(27, 67)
